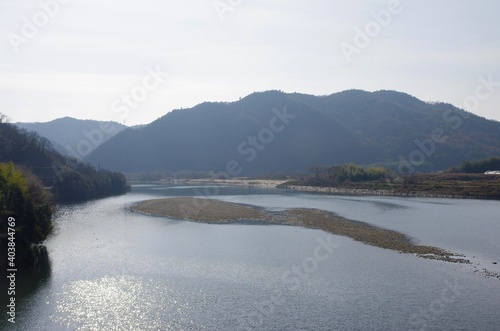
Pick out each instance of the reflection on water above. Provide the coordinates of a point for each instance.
(112, 269)
(121, 303)
(383, 205)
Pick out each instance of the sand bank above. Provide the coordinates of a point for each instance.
(215, 211)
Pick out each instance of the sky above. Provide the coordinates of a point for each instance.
(134, 61)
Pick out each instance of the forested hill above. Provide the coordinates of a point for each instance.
(275, 132)
(70, 180)
(74, 137)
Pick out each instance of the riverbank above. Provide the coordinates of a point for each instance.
(262, 183)
(215, 211)
(461, 186)
(367, 192)
(438, 185)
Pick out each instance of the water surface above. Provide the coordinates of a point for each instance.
(112, 269)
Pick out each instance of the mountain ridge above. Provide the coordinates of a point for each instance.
(74, 137)
(381, 127)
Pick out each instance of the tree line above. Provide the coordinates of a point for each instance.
(70, 180)
(347, 173)
(33, 179)
(477, 167)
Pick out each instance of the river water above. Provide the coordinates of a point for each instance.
(112, 269)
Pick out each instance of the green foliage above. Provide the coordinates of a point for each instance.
(477, 167)
(13, 190)
(347, 173)
(23, 197)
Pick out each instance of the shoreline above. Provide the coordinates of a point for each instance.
(281, 184)
(216, 211)
(262, 183)
(370, 192)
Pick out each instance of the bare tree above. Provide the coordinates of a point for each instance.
(318, 170)
(4, 118)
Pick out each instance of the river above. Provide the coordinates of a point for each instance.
(112, 269)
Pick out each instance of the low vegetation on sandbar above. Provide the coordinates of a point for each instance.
(215, 211)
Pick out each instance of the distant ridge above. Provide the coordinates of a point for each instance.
(74, 137)
(276, 132)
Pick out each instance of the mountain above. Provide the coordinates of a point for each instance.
(276, 132)
(69, 179)
(74, 137)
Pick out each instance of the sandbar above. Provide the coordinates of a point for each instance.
(216, 211)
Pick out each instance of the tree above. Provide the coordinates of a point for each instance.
(4, 118)
(318, 170)
(23, 198)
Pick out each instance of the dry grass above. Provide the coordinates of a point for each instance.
(215, 211)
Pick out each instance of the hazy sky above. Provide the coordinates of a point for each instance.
(134, 61)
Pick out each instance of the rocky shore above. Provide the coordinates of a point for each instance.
(215, 211)
(351, 191)
(282, 184)
(263, 183)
